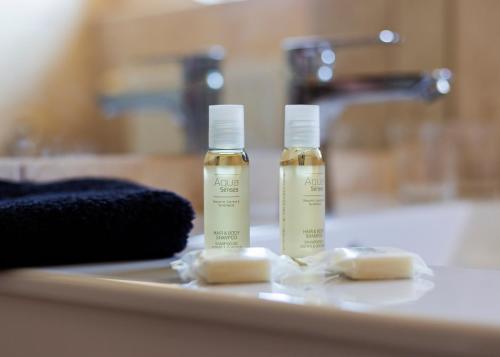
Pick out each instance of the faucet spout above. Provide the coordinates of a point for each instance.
(335, 96)
(389, 87)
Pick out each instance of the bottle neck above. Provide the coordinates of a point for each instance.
(226, 150)
(302, 148)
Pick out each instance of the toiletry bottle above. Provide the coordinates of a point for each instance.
(226, 180)
(302, 183)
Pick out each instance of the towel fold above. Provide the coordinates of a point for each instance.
(89, 220)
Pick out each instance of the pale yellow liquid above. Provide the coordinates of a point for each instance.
(301, 157)
(302, 204)
(226, 158)
(226, 199)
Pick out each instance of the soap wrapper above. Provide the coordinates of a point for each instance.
(247, 265)
(231, 265)
(365, 263)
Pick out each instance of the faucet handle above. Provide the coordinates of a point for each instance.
(316, 55)
(384, 37)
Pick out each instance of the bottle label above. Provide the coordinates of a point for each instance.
(302, 209)
(226, 209)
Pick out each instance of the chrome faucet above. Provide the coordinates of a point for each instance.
(312, 61)
(202, 84)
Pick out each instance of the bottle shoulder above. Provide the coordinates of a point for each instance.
(301, 157)
(226, 158)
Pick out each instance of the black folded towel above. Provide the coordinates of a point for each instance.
(89, 220)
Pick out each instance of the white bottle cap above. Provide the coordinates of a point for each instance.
(226, 128)
(302, 126)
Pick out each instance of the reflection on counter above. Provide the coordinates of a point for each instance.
(340, 293)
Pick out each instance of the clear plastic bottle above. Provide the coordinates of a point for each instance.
(302, 183)
(226, 180)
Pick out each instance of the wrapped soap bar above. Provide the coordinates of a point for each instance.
(222, 266)
(249, 265)
(367, 263)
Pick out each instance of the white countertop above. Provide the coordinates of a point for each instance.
(455, 312)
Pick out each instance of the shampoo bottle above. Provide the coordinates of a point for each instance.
(302, 183)
(226, 180)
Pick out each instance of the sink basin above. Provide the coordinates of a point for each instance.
(459, 233)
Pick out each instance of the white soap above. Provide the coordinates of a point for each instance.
(238, 265)
(364, 263)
